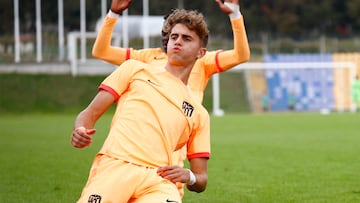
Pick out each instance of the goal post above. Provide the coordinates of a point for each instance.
(330, 88)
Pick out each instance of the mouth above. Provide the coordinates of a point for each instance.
(176, 49)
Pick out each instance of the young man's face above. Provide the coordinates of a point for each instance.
(184, 46)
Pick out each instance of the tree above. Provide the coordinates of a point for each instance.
(286, 17)
(353, 11)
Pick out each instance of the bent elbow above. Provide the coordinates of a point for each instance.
(241, 58)
(197, 189)
(201, 190)
(96, 53)
(240, 55)
(245, 55)
(248, 53)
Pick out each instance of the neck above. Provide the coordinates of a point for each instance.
(180, 71)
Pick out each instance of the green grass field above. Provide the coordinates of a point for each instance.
(298, 157)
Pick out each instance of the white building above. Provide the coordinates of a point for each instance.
(137, 26)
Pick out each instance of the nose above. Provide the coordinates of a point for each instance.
(178, 40)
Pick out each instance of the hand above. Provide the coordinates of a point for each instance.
(226, 9)
(174, 173)
(82, 137)
(118, 6)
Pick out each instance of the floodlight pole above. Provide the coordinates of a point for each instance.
(83, 30)
(38, 32)
(180, 4)
(125, 30)
(145, 24)
(103, 9)
(16, 31)
(61, 29)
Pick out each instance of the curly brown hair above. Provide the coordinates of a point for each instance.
(192, 19)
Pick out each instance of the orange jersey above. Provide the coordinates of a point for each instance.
(156, 115)
(213, 61)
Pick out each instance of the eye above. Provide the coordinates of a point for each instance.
(187, 38)
(173, 36)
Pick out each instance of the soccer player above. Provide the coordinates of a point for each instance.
(156, 115)
(213, 62)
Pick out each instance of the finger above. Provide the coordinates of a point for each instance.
(82, 131)
(77, 143)
(80, 138)
(224, 8)
(219, 2)
(232, 1)
(175, 176)
(80, 141)
(90, 131)
(163, 168)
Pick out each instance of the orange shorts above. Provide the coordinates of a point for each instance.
(113, 180)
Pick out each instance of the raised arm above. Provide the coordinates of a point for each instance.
(241, 52)
(102, 48)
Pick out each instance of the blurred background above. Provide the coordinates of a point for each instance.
(317, 40)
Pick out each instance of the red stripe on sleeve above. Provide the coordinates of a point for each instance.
(217, 61)
(199, 155)
(127, 54)
(110, 90)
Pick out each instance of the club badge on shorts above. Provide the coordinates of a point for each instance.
(94, 199)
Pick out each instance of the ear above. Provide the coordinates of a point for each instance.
(201, 53)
